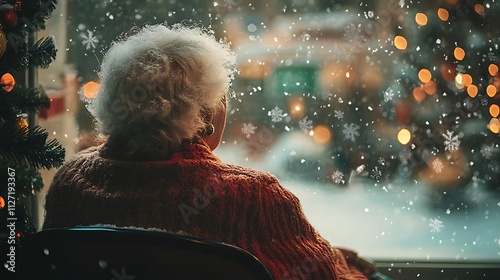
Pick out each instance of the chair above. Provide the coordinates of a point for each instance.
(133, 254)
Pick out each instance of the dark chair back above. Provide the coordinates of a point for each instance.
(133, 254)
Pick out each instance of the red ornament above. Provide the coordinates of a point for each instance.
(8, 18)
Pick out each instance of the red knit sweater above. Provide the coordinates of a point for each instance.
(192, 191)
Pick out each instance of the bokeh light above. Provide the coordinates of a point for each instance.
(424, 75)
(421, 19)
(8, 82)
(494, 110)
(494, 125)
(459, 53)
(443, 14)
(404, 136)
(467, 80)
(419, 94)
(322, 134)
(400, 43)
(479, 9)
(493, 69)
(90, 90)
(430, 87)
(491, 90)
(472, 91)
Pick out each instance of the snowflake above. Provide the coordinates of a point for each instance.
(492, 57)
(405, 156)
(90, 41)
(339, 114)
(484, 101)
(305, 124)
(338, 177)
(351, 131)
(248, 129)
(460, 68)
(451, 143)
(388, 94)
(381, 161)
(376, 174)
(436, 225)
(325, 95)
(487, 151)
(468, 104)
(354, 35)
(437, 165)
(229, 3)
(276, 114)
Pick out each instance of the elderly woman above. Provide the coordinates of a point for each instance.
(162, 105)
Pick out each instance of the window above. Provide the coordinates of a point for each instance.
(381, 116)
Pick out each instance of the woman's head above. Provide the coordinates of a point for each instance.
(162, 85)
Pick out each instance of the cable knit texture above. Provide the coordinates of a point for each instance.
(192, 191)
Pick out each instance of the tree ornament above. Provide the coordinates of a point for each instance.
(21, 122)
(7, 82)
(3, 43)
(8, 17)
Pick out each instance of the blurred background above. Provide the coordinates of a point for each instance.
(381, 116)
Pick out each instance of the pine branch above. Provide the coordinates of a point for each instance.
(33, 15)
(43, 52)
(16, 57)
(28, 99)
(29, 147)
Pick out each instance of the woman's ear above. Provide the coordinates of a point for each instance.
(218, 120)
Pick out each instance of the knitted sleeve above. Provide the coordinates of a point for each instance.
(286, 242)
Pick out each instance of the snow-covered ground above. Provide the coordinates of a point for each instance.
(391, 221)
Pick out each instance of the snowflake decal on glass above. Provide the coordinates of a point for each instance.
(305, 124)
(354, 36)
(388, 95)
(460, 68)
(276, 114)
(484, 101)
(451, 142)
(492, 57)
(90, 41)
(376, 173)
(338, 177)
(229, 3)
(248, 129)
(351, 131)
(339, 114)
(325, 95)
(468, 104)
(405, 156)
(437, 165)
(381, 161)
(487, 151)
(436, 225)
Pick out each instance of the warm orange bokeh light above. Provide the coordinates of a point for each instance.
(459, 53)
(430, 87)
(443, 14)
(8, 82)
(322, 134)
(424, 75)
(90, 90)
(472, 91)
(491, 90)
(459, 79)
(494, 125)
(400, 42)
(418, 94)
(493, 69)
(2, 202)
(404, 136)
(479, 9)
(494, 110)
(467, 80)
(421, 19)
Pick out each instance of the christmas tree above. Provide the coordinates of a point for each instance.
(24, 147)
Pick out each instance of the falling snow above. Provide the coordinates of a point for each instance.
(339, 114)
(405, 156)
(229, 3)
(487, 151)
(248, 129)
(90, 41)
(338, 177)
(460, 68)
(354, 36)
(436, 225)
(437, 165)
(351, 131)
(276, 114)
(381, 161)
(325, 95)
(305, 124)
(451, 142)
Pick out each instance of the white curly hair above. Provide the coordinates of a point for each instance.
(158, 85)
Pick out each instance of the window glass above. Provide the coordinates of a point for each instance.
(381, 116)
